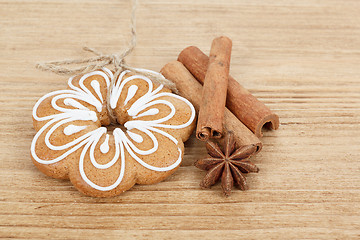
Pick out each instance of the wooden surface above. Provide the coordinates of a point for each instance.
(302, 58)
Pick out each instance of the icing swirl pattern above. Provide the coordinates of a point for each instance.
(76, 113)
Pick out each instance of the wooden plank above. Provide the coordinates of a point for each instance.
(301, 58)
(269, 233)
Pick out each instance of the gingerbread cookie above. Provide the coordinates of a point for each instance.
(73, 140)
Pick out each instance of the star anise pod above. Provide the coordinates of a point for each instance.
(229, 164)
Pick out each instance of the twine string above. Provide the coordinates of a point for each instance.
(97, 62)
(101, 60)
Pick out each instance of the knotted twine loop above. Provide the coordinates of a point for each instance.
(101, 60)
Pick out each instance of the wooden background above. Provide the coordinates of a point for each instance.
(302, 58)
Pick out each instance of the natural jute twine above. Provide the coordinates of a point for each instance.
(101, 60)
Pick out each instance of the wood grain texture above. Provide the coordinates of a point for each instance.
(301, 58)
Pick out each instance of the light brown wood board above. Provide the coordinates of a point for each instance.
(301, 58)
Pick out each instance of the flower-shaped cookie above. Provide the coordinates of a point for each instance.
(146, 143)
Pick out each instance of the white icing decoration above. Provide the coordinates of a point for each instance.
(74, 103)
(71, 129)
(152, 111)
(131, 93)
(90, 139)
(109, 73)
(136, 137)
(96, 86)
(104, 148)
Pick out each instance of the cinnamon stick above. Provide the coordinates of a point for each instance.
(211, 113)
(191, 89)
(253, 113)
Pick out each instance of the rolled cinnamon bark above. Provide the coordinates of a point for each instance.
(253, 113)
(211, 112)
(191, 89)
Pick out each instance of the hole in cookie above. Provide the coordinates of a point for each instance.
(111, 127)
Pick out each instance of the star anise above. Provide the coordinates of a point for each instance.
(229, 164)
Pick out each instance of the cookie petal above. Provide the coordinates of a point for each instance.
(52, 153)
(102, 173)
